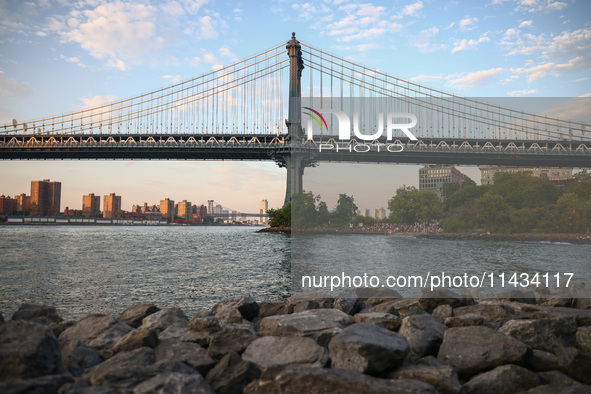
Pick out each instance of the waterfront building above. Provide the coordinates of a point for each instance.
(167, 208)
(210, 207)
(433, 177)
(91, 206)
(23, 203)
(201, 211)
(559, 176)
(218, 209)
(184, 209)
(45, 198)
(112, 206)
(7, 205)
(263, 207)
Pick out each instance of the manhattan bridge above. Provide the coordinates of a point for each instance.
(242, 112)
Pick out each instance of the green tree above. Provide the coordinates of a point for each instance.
(345, 210)
(280, 217)
(493, 213)
(581, 185)
(410, 205)
(303, 210)
(521, 189)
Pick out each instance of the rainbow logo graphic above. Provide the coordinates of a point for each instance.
(315, 118)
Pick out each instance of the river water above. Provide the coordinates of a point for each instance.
(95, 269)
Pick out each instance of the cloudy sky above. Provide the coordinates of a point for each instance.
(58, 56)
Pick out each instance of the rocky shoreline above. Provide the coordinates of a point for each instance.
(370, 341)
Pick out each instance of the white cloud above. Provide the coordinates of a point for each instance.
(172, 78)
(517, 93)
(551, 68)
(97, 101)
(526, 24)
(412, 9)
(73, 59)
(207, 27)
(209, 58)
(540, 5)
(195, 61)
(120, 32)
(12, 88)
(475, 79)
(469, 44)
(468, 23)
(578, 41)
(226, 52)
(423, 40)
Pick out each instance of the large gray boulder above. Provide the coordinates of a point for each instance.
(583, 338)
(296, 379)
(165, 318)
(44, 384)
(542, 334)
(346, 301)
(42, 314)
(319, 324)
(174, 382)
(97, 331)
(231, 338)
(226, 314)
(134, 315)
(476, 349)
(273, 351)
(246, 305)
(27, 350)
(423, 333)
(123, 371)
(504, 379)
(444, 378)
(574, 362)
(188, 353)
(431, 299)
(367, 348)
(78, 357)
(380, 319)
(135, 339)
(232, 374)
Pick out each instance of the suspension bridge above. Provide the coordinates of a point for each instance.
(241, 112)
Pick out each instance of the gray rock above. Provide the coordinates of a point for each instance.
(273, 351)
(295, 379)
(346, 301)
(524, 296)
(367, 348)
(188, 353)
(305, 306)
(161, 320)
(583, 317)
(122, 371)
(399, 307)
(444, 378)
(324, 301)
(135, 339)
(491, 315)
(47, 384)
(226, 314)
(231, 338)
(467, 320)
(232, 374)
(581, 296)
(378, 295)
(429, 361)
(61, 327)
(380, 319)
(431, 299)
(504, 379)
(1, 318)
(574, 362)
(27, 350)
(443, 312)
(42, 314)
(81, 388)
(540, 361)
(134, 315)
(474, 349)
(174, 382)
(174, 332)
(542, 334)
(78, 357)
(271, 308)
(423, 333)
(313, 323)
(201, 327)
(97, 331)
(583, 337)
(245, 304)
(556, 382)
(390, 307)
(554, 297)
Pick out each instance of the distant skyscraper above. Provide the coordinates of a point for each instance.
(23, 203)
(45, 198)
(184, 209)
(218, 209)
(432, 178)
(210, 207)
(167, 208)
(112, 206)
(263, 207)
(201, 211)
(91, 206)
(7, 205)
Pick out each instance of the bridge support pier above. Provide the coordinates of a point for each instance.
(295, 176)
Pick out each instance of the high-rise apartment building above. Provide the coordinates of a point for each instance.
(7, 205)
(210, 207)
(167, 208)
(432, 178)
(560, 176)
(263, 207)
(91, 206)
(112, 206)
(23, 203)
(184, 209)
(201, 211)
(45, 198)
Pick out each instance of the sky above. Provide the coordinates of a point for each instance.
(58, 56)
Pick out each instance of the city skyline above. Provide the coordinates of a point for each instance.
(57, 57)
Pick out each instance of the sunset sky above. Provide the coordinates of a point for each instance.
(58, 56)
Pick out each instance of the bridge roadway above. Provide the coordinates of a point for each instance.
(555, 153)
